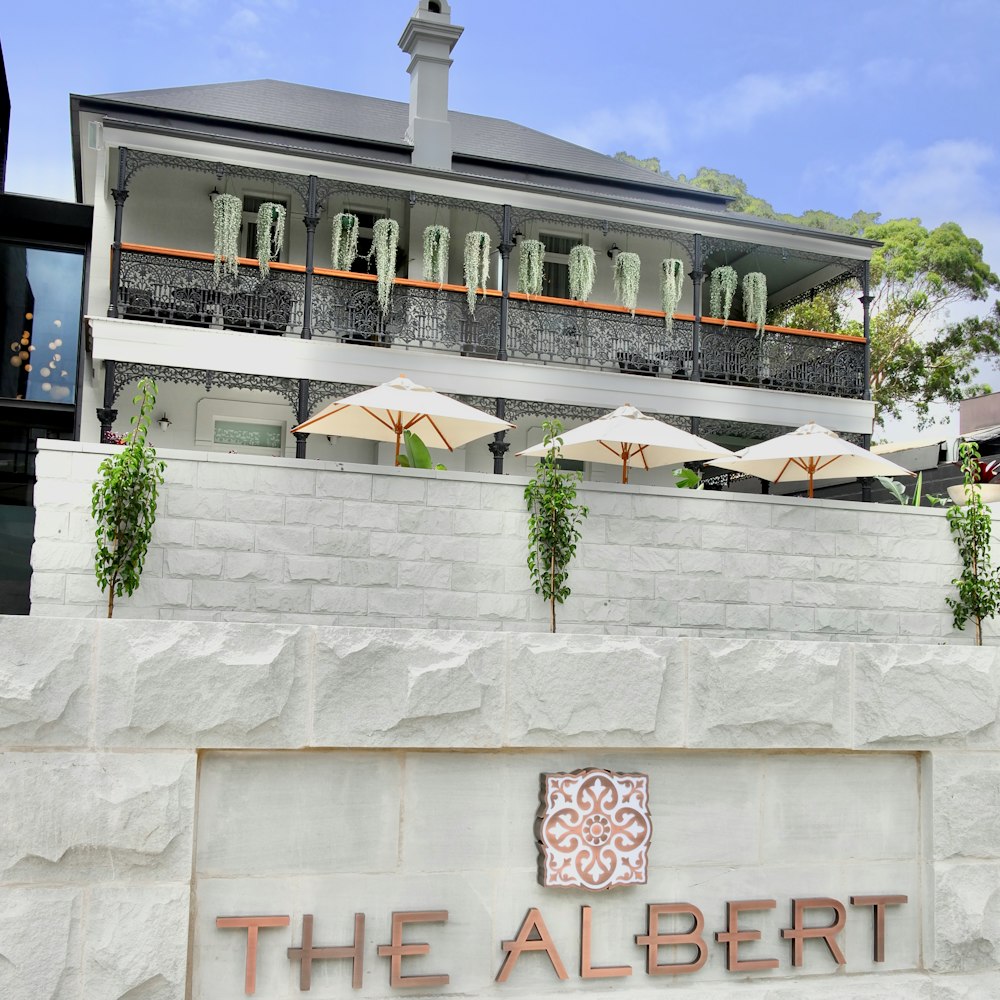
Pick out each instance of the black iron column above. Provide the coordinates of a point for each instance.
(866, 302)
(697, 278)
(499, 446)
(107, 414)
(119, 193)
(311, 221)
(302, 415)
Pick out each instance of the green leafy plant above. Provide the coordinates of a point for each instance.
(270, 234)
(123, 504)
(721, 288)
(227, 218)
(627, 267)
(416, 455)
(688, 479)
(385, 239)
(437, 241)
(582, 272)
(671, 287)
(755, 300)
(971, 526)
(531, 258)
(897, 490)
(344, 245)
(477, 265)
(554, 522)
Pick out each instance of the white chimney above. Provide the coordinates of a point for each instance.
(428, 39)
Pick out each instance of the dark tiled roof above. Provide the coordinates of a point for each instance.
(294, 107)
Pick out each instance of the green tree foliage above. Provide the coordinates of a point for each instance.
(123, 504)
(553, 523)
(971, 526)
(919, 354)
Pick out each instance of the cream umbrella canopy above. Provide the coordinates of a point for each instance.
(383, 412)
(628, 436)
(811, 452)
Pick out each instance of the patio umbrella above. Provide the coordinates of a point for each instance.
(628, 436)
(382, 413)
(811, 452)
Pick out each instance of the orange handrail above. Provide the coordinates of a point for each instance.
(519, 296)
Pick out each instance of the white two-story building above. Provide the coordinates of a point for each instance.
(241, 359)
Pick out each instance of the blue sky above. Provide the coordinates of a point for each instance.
(885, 105)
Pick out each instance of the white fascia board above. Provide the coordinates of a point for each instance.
(331, 361)
(455, 186)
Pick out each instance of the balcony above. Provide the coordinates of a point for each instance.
(179, 287)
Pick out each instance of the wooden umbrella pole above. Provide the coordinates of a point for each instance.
(397, 426)
(626, 450)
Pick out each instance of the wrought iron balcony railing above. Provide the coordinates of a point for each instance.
(175, 286)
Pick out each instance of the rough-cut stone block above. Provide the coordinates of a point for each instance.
(399, 489)
(448, 493)
(254, 508)
(344, 485)
(966, 917)
(210, 505)
(40, 943)
(966, 805)
(342, 541)
(760, 694)
(339, 600)
(286, 482)
(913, 695)
(407, 688)
(286, 540)
(95, 817)
(201, 562)
(222, 535)
(45, 682)
(326, 513)
(226, 476)
(136, 942)
(364, 514)
(221, 594)
(188, 684)
(595, 691)
(266, 567)
(311, 569)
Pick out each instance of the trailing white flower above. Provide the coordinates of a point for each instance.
(627, 279)
(722, 288)
(344, 248)
(531, 257)
(385, 238)
(437, 240)
(227, 218)
(477, 265)
(671, 287)
(582, 272)
(755, 300)
(270, 234)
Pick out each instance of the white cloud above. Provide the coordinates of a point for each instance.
(637, 128)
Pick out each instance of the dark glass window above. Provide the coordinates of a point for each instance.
(40, 307)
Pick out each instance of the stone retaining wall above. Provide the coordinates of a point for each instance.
(857, 768)
(260, 539)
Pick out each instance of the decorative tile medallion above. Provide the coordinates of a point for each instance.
(593, 829)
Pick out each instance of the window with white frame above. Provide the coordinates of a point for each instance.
(251, 206)
(555, 271)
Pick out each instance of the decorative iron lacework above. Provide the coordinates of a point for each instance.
(127, 372)
(321, 392)
(686, 240)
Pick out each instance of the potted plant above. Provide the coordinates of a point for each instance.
(270, 234)
(531, 259)
(344, 246)
(227, 218)
(671, 287)
(477, 265)
(437, 241)
(582, 272)
(755, 300)
(721, 289)
(627, 279)
(385, 238)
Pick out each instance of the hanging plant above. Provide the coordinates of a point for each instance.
(477, 265)
(344, 249)
(755, 300)
(582, 272)
(721, 289)
(270, 234)
(227, 217)
(529, 266)
(671, 286)
(627, 279)
(385, 238)
(437, 240)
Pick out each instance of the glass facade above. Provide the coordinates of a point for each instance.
(40, 307)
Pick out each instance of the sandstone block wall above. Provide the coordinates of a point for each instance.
(258, 539)
(110, 732)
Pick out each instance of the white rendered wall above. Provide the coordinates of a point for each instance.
(244, 538)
